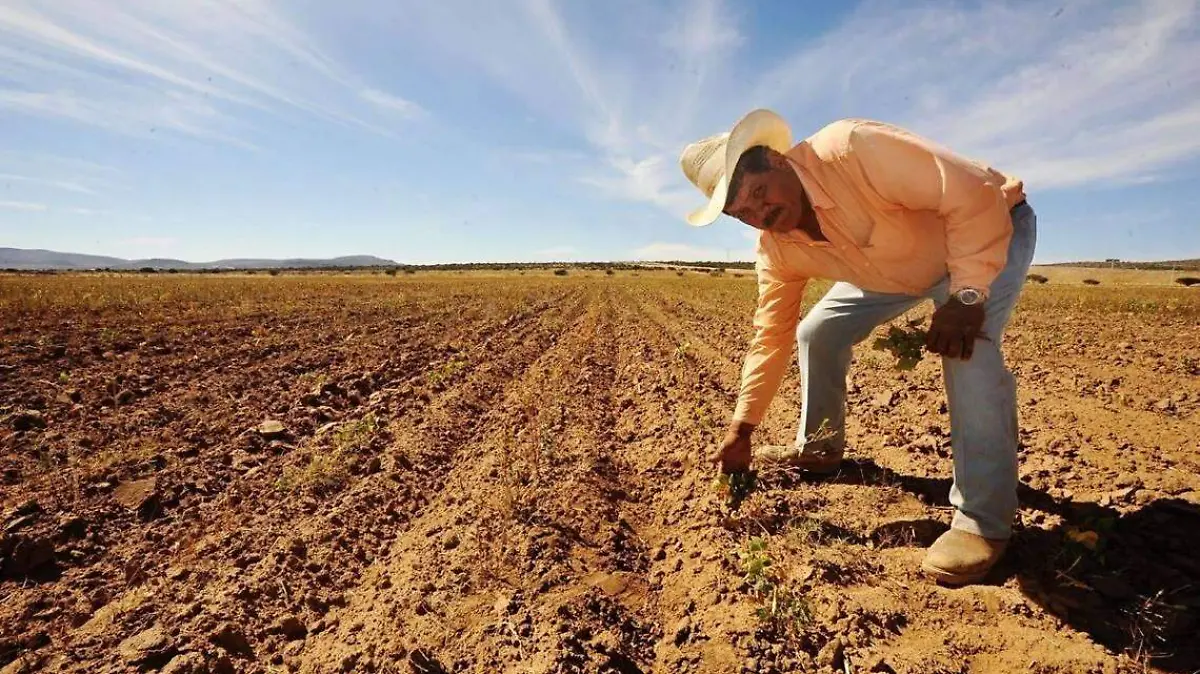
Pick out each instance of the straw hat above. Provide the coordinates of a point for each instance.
(708, 163)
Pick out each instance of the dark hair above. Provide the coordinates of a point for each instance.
(755, 160)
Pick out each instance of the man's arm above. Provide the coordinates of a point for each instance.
(771, 347)
(765, 365)
(912, 172)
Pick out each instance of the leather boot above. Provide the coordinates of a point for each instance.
(821, 462)
(959, 558)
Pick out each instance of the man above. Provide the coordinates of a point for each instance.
(894, 219)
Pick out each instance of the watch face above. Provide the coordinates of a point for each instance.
(968, 296)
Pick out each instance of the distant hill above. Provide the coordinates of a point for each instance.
(1178, 265)
(25, 259)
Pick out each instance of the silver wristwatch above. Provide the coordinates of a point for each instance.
(969, 296)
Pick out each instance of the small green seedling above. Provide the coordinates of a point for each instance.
(735, 487)
(782, 608)
(906, 344)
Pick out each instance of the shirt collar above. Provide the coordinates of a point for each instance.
(798, 157)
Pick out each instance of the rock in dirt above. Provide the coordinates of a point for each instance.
(27, 663)
(148, 649)
(291, 627)
(71, 526)
(187, 663)
(682, 630)
(21, 556)
(19, 523)
(230, 638)
(27, 420)
(139, 495)
(885, 399)
(612, 584)
(271, 429)
(832, 653)
(30, 507)
(1128, 480)
(504, 605)
(222, 665)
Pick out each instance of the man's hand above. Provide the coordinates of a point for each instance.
(955, 328)
(734, 453)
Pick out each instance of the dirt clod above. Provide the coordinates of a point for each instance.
(140, 495)
(681, 631)
(232, 639)
(271, 429)
(27, 420)
(186, 663)
(22, 555)
(148, 649)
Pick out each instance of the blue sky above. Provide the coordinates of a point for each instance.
(461, 130)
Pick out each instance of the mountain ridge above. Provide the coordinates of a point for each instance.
(26, 259)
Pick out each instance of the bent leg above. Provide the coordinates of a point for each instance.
(825, 337)
(982, 399)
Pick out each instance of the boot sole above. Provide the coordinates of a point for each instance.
(949, 578)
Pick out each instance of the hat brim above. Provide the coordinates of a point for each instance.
(759, 127)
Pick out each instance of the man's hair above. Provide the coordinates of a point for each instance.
(755, 160)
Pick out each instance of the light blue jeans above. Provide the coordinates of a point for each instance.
(981, 391)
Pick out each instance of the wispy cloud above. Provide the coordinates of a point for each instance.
(42, 170)
(1089, 93)
(392, 103)
(1096, 92)
(26, 206)
(197, 69)
(625, 78)
(57, 184)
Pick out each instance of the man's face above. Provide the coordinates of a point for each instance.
(772, 200)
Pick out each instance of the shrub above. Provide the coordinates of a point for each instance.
(148, 270)
(560, 272)
(410, 271)
(1090, 282)
(608, 272)
(1036, 278)
(390, 272)
(679, 273)
(1188, 281)
(273, 272)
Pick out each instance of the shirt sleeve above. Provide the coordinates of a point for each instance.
(914, 173)
(766, 363)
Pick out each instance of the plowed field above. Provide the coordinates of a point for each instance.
(505, 473)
